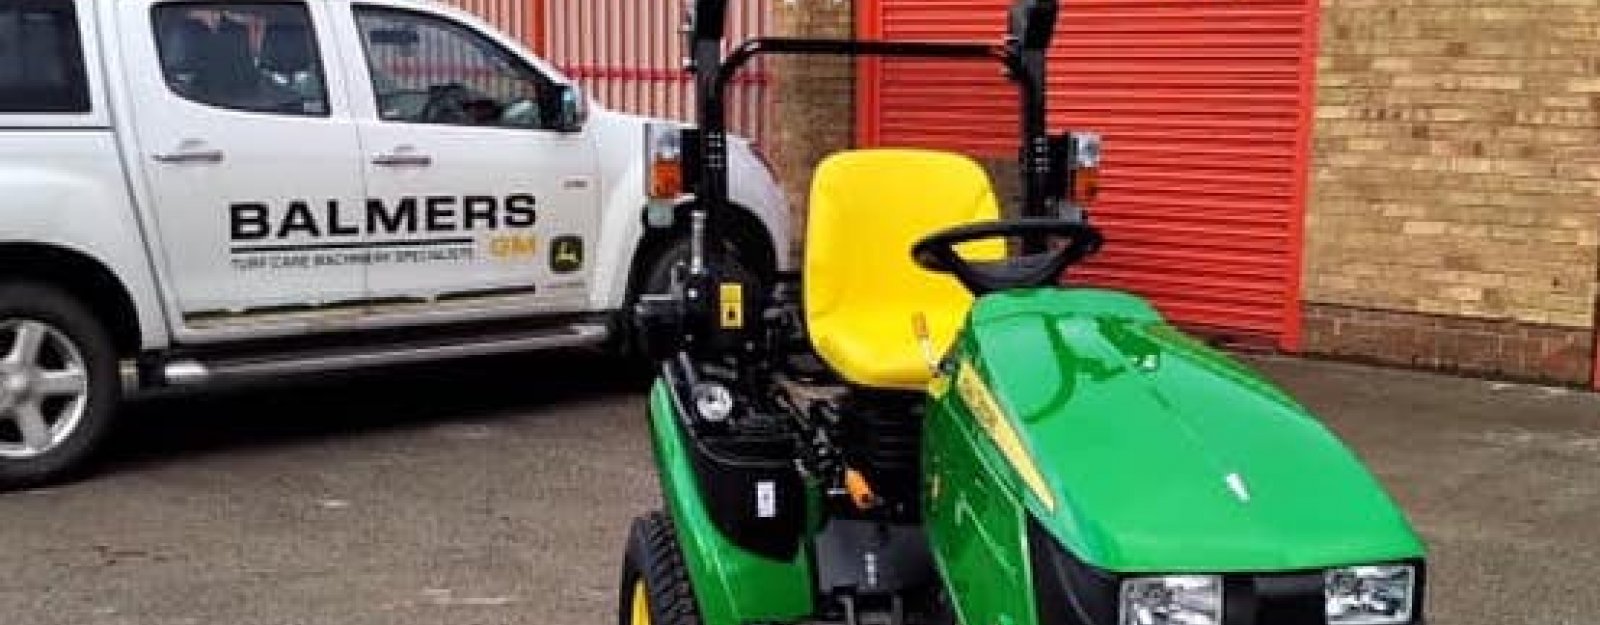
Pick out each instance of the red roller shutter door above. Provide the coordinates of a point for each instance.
(1205, 107)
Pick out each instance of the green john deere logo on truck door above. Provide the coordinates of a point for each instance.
(566, 254)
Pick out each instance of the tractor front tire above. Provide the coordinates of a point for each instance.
(655, 588)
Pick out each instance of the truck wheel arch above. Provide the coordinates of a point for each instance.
(85, 278)
(744, 228)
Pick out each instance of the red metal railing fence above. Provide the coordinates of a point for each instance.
(629, 54)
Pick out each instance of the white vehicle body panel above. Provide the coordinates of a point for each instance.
(268, 160)
(752, 188)
(62, 186)
(91, 184)
(551, 172)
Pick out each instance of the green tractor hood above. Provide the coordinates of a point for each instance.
(1162, 455)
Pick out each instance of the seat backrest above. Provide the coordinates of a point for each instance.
(863, 291)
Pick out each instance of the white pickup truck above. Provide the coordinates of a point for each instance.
(203, 190)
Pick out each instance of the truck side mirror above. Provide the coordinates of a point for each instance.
(571, 110)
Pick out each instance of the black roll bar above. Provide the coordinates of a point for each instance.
(1031, 26)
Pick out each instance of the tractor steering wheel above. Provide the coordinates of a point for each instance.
(937, 252)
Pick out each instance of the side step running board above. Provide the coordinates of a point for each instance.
(196, 371)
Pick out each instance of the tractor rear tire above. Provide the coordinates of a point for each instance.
(655, 588)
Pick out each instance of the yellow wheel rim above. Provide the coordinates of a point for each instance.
(641, 605)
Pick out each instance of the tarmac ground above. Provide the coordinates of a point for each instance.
(499, 491)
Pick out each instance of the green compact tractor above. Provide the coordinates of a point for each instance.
(924, 426)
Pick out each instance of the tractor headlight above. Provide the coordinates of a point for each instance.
(1371, 595)
(1175, 600)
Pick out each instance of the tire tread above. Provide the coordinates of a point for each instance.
(655, 556)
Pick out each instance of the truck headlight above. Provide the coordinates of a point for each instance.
(1371, 595)
(663, 171)
(1175, 600)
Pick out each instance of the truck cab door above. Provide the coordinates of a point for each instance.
(250, 158)
(495, 208)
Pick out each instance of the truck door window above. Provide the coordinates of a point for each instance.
(429, 70)
(41, 61)
(251, 57)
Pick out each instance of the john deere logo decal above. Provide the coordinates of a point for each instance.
(982, 404)
(566, 254)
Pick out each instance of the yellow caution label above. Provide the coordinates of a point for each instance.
(981, 402)
(939, 385)
(732, 306)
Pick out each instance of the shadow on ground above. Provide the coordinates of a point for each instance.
(172, 426)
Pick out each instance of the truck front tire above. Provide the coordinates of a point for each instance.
(654, 276)
(59, 385)
(657, 276)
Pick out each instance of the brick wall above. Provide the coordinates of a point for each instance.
(815, 96)
(1454, 219)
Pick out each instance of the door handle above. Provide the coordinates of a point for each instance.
(183, 157)
(402, 159)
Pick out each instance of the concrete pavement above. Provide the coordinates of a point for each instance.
(498, 491)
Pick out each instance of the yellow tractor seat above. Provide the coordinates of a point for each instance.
(863, 291)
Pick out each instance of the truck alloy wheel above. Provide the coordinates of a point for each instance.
(59, 386)
(44, 388)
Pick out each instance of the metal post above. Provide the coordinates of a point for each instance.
(1032, 28)
(707, 28)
